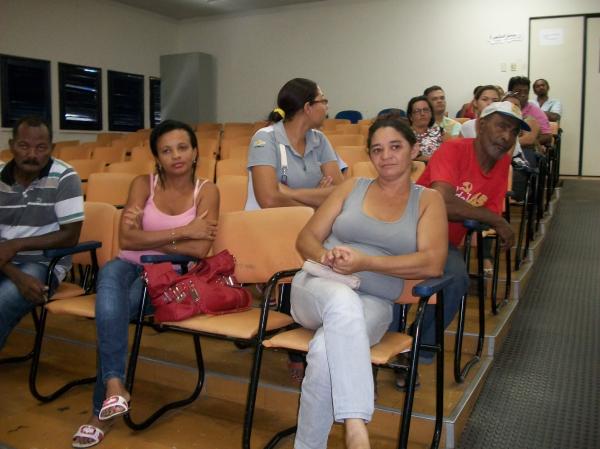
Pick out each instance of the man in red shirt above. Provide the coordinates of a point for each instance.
(472, 176)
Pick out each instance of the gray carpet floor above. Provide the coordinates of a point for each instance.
(544, 387)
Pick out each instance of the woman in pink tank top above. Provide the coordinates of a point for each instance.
(169, 212)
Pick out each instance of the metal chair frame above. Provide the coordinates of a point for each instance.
(55, 255)
(255, 341)
(424, 290)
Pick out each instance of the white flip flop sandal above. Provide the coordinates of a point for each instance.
(93, 433)
(113, 406)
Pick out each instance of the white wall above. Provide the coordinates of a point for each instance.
(97, 33)
(366, 55)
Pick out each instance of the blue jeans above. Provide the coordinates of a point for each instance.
(13, 306)
(339, 379)
(453, 294)
(118, 297)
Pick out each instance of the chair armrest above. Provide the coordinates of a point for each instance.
(173, 258)
(79, 248)
(431, 286)
(474, 225)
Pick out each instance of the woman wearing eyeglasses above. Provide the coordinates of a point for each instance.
(290, 162)
(429, 135)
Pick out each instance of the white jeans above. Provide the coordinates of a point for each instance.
(339, 380)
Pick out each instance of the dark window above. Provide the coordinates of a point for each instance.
(154, 101)
(80, 91)
(125, 101)
(25, 88)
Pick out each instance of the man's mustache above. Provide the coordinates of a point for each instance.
(30, 162)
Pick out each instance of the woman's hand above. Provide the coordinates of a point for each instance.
(344, 260)
(201, 228)
(132, 217)
(326, 181)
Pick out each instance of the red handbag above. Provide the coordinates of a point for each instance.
(209, 287)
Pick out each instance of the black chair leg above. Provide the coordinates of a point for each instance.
(131, 369)
(35, 362)
(29, 355)
(461, 373)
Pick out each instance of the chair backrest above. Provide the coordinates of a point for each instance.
(418, 167)
(233, 190)
(400, 112)
(115, 244)
(233, 130)
(347, 128)
(5, 155)
(262, 241)
(352, 115)
(136, 167)
(206, 168)
(75, 152)
(209, 126)
(110, 154)
(106, 138)
(364, 169)
(331, 123)
(65, 143)
(338, 140)
(208, 148)
(85, 167)
(231, 167)
(239, 152)
(141, 153)
(228, 143)
(97, 225)
(111, 188)
(351, 156)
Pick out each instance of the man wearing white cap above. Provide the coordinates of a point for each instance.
(472, 176)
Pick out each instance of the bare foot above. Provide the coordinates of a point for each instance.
(357, 436)
(104, 426)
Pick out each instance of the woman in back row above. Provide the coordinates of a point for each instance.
(169, 212)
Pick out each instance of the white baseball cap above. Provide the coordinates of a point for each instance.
(506, 108)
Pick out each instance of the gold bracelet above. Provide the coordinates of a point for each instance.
(173, 239)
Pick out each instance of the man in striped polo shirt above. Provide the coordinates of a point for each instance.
(41, 207)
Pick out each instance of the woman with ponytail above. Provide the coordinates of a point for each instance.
(291, 163)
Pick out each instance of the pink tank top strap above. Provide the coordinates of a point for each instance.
(153, 181)
(198, 188)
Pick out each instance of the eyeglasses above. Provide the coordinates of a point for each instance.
(421, 111)
(325, 101)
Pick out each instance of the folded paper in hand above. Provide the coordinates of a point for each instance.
(323, 271)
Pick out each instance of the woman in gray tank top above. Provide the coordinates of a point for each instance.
(383, 230)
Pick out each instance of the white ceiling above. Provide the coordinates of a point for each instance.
(187, 9)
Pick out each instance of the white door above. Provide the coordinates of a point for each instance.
(556, 54)
(591, 119)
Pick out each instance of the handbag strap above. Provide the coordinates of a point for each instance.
(284, 163)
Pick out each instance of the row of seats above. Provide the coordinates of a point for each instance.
(232, 179)
(263, 326)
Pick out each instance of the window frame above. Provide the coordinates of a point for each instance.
(9, 115)
(112, 77)
(79, 125)
(154, 83)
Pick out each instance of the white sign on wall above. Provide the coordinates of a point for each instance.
(552, 36)
(504, 38)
